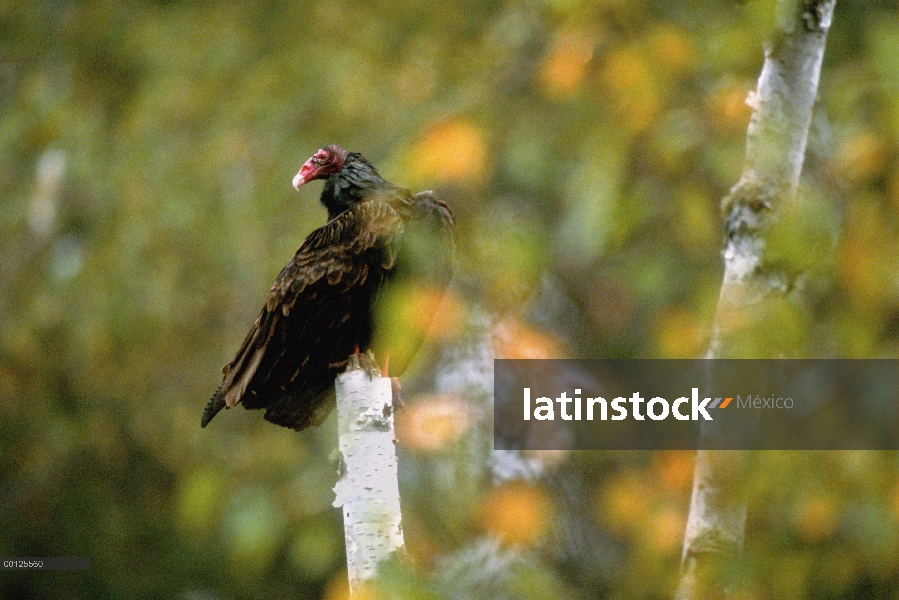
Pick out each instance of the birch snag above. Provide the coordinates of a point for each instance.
(367, 489)
(775, 148)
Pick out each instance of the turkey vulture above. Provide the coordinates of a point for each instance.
(324, 305)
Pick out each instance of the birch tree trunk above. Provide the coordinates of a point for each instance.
(775, 148)
(367, 489)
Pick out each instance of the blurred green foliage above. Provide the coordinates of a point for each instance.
(145, 207)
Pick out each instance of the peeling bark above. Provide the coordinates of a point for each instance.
(367, 489)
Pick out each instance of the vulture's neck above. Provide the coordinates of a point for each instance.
(345, 188)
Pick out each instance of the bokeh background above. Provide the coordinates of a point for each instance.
(146, 154)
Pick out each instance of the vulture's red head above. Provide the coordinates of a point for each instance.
(323, 163)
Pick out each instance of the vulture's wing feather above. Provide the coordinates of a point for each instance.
(435, 217)
(318, 309)
(413, 294)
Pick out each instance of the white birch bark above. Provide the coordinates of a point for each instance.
(367, 488)
(775, 148)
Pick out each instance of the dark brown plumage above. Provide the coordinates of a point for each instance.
(322, 305)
